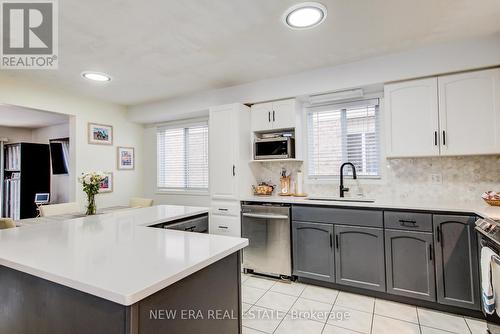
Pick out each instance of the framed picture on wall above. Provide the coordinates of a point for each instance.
(106, 185)
(100, 134)
(126, 158)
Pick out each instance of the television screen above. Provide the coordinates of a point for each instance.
(59, 164)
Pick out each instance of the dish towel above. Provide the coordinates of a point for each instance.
(487, 293)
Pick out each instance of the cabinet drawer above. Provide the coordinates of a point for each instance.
(370, 218)
(408, 221)
(226, 208)
(225, 225)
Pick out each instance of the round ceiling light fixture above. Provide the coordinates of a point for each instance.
(305, 15)
(96, 76)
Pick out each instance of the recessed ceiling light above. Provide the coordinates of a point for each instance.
(305, 15)
(96, 76)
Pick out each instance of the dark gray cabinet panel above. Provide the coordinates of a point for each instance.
(457, 267)
(410, 264)
(359, 257)
(313, 251)
(399, 220)
(356, 217)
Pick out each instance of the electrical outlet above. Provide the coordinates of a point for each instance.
(437, 178)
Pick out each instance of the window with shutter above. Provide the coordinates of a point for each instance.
(182, 157)
(338, 133)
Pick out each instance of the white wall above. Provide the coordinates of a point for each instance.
(15, 135)
(86, 157)
(480, 52)
(60, 189)
(150, 177)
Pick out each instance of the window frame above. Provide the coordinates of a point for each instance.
(334, 178)
(185, 124)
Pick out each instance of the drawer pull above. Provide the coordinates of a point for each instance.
(222, 209)
(408, 223)
(223, 227)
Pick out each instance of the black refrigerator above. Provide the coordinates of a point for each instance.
(26, 172)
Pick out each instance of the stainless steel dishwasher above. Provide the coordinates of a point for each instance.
(267, 227)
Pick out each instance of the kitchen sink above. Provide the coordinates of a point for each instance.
(341, 199)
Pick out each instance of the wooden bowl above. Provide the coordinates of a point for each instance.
(492, 202)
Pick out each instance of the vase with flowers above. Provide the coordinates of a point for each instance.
(91, 183)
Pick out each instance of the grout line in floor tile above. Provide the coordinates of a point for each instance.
(467, 324)
(393, 318)
(440, 329)
(254, 329)
(287, 312)
(331, 309)
(373, 319)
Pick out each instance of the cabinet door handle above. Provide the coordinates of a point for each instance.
(331, 241)
(430, 252)
(444, 138)
(234, 170)
(273, 116)
(435, 138)
(269, 116)
(337, 241)
(408, 223)
(438, 234)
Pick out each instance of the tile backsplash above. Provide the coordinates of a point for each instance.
(463, 179)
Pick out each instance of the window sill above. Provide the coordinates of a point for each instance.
(182, 192)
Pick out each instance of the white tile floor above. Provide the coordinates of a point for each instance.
(275, 307)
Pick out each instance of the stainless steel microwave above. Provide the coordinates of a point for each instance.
(274, 148)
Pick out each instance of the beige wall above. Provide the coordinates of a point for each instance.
(15, 135)
(86, 157)
(60, 185)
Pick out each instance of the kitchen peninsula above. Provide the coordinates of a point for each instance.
(113, 273)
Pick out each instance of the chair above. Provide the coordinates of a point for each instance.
(138, 202)
(59, 209)
(6, 223)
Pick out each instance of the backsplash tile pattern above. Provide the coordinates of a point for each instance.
(464, 178)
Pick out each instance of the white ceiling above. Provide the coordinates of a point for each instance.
(160, 49)
(20, 117)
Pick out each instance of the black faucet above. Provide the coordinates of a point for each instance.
(342, 189)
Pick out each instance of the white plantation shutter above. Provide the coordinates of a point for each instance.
(182, 153)
(338, 133)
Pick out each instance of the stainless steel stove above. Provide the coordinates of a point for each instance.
(489, 236)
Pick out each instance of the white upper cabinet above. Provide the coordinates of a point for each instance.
(229, 151)
(469, 113)
(456, 114)
(284, 114)
(411, 114)
(274, 115)
(222, 152)
(261, 117)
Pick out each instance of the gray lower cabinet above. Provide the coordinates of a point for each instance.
(410, 264)
(359, 257)
(313, 251)
(457, 266)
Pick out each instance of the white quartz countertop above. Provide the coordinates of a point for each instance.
(115, 256)
(477, 207)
